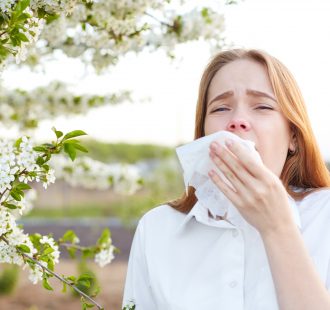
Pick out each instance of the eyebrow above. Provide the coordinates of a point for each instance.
(251, 92)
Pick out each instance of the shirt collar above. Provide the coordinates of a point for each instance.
(201, 215)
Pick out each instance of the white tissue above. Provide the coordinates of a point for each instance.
(196, 163)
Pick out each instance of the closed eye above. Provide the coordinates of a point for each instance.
(220, 109)
(260, 107)
(265, 108)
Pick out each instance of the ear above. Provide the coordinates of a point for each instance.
(293, 141)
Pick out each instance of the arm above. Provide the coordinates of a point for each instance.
(297, 284)
(262, 200)
(137, 287)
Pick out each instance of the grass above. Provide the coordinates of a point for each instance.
(125, 152)
(127, 209)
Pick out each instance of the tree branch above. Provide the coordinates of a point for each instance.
(56, 275)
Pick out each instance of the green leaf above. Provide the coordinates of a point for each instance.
(104, 238)
(71, 141)
(58, 133)
(19, 192)
(23, 17)
(40, 161)
(23, 186)
(76, 145)
(73, 134)
(24, 248)
(50, 264)
(86, 305)
(80, 148)
(206, 15)
(48, 251)
(18, 142)
(64, 287)
(46, 285)
(87, 253)
(69, 236)
(15, 195)
(85, 283)
(85, 276)
(205, 12)
(35, 239)
(46, 167)
(72, 252)
(71, 151)
(22, 37)
(40, 149)
(9, 205)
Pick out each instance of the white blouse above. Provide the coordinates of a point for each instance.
(192, 262)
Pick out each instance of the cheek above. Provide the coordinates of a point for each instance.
(273, 154)
(212, 125)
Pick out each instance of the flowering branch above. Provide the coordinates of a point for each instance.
(55, 275)
(21, 163)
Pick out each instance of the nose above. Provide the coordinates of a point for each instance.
(238, 125)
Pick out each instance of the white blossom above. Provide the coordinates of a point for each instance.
(36, 273)
(49, 177)
(26, 107)
(93, 174)
(6, 5)
(14, 237)
(51, 242)
(25, 205)
(105, 256)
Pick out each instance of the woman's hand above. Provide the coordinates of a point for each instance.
(260, 196)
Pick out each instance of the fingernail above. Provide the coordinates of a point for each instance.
(229, 142)
(214, 146)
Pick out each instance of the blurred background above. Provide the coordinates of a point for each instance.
(127, 73)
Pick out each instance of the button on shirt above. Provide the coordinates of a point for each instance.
(193, 262)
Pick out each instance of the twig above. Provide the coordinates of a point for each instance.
(3, 32)
(56, 276)
(78, 247)
(155, 18)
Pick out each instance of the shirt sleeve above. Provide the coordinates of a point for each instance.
(137, 286)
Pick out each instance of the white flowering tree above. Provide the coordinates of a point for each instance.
(98, 32)
(22, 163)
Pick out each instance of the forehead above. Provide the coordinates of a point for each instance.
(239, 75)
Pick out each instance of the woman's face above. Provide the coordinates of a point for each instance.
(241, 100)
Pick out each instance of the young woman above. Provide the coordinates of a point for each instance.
(184, 259)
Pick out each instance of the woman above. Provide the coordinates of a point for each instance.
(183, 259)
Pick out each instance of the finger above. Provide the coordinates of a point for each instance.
(230, 163)
(235, 173)
(247, 159)
(225, 189)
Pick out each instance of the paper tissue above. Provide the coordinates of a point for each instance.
(196, 163)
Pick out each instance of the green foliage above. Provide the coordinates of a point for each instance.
(124, 152)
(105, 236)
(87, 282)
(8, 279)
(130, 306)
(165, 184)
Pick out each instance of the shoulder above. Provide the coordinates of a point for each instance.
(318, 200)
(161, 220)
(162, 213)
(319, 195)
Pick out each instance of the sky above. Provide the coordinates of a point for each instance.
(296, 32)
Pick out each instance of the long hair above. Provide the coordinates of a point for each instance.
(305, 168)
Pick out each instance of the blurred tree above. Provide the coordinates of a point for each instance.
(97, 32)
